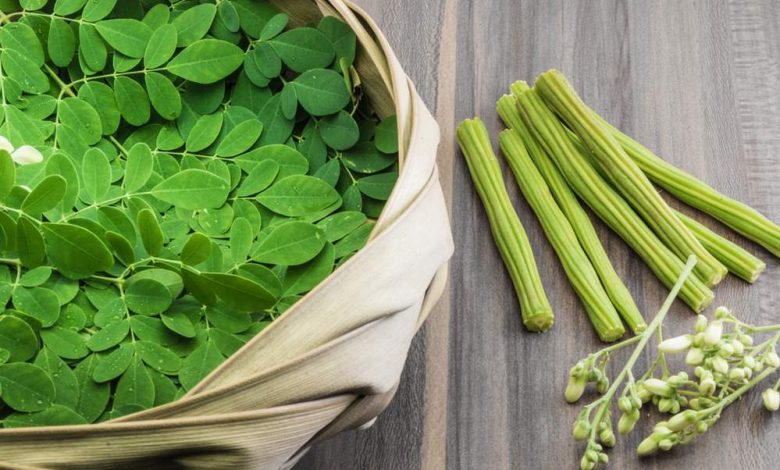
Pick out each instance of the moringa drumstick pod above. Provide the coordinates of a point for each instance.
(606, 202)
(508, 232)
(580, 221)
(626, 175)
(738, 260)
(696, 193)
(560, 233)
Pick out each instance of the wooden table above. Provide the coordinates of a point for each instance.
(698, 82)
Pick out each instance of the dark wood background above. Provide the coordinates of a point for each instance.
(698, 82)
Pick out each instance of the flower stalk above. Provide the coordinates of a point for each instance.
(508, 232)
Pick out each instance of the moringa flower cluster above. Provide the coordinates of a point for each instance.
(727, 362)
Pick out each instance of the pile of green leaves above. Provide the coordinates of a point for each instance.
(204, 165)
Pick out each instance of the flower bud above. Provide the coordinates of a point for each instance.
(749, 361)
(682, 420)
(713, 332)
(581, 429)
(695, 404)
(771, 399)
(603, 458)
(607, 437)
(627, 422)
(701, 323)
(658, 387)
(575, 388)
(665, 405)
(694, 357)
(625, 405)
(702, 427)
(736, 374)
(677, 380)
(665, 444)
(746, 340)
(592, 455)
(6, 145)
(636, 403)
(603, 384)
(643, 394)
(772, 359)
(722, 312)
(720, 365)
(586, 463)
(707, 387)
(699, 371)
(647, 447)
(748, 372)
(725, 350)
(676, 345)
(739, 348)
(26, 155)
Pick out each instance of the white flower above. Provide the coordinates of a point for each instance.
(6, 145)
(658, 387)
(771, 399)
(676, 344)
(27, 155)
(694, 357)
(701, 323)
(720, 365)
(707, 386)
(713, 332)
(772, 359)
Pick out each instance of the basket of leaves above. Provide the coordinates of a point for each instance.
(220, 227)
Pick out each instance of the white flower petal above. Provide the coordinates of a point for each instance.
(27, 155)
(6, 145)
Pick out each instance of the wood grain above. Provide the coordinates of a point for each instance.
(696, 81)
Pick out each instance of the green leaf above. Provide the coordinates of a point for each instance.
(68, 7)
(341, 36)
(32, 5)
(18, 338)
(240, 293)
(267, 60)
(96, 10)
(92, 48)
(302, 49)
(121, 247)
(92, 396)
(179, 323)
(228, 16)
(197, 249)
(148, 297)
(65, 382)
(193, 190)
(290, 161)
(7, 174)
(205, 132)
(198, 286)
(39, 303)
(95, 175)
(157, 16)
(140, 164)
(276, 126)
(321, 92)
(26, 387)
(21, 38)
(339, 131)
(298, 195)
(164, 389)
(378, 186)
(240, 139)
(289, 101)
(161, 47)
(259, 178)
(365, 158)
(135, 387)
(114, 364)
(59, 164)
(61, 42)
(65, 343)
(5, 355)
(338, 226)
(25, 72)
(132, 101)
(35, 277)
(164, 96)
(303, 278)
(29, 244)
(127, 36)
(101, 97)
(227, 343)
(109, 336)
(45, 195)
(75, 251)
(207, 61)
(274, 26)
(55, 415)
(151, 233)
(290, 244)
(158, 357)
(387, 135)
(354, 241)
(199, 364)
(194, 23)
(241, 238)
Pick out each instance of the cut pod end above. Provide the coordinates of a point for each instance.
(539, 321)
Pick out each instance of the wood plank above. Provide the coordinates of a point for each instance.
(699, 83)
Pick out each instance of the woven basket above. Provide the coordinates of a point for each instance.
(330, 363)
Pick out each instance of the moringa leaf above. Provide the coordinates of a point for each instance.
(26, 387)
(75, 251)
(127, 36)
(161, 47)
(321, 92)
(207, 61)
(194, 23)
(193, 190)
